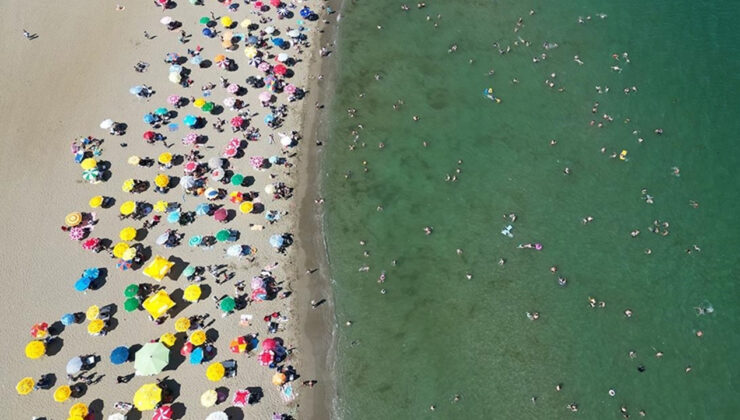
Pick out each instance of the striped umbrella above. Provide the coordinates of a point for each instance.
(91, 174)
(164, 412)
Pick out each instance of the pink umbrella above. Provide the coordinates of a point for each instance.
(76, 233)
(191, 138)
(269, 344)
(229, 102)
(256, 161)
(257, 282)
(229, 152)
(90, 243)
(220, 215)
(237, 121)
(173, 99)
(264, 66)
(280, 69)
(259, 294)
(290, 88)
(232, 88)
(258, 5)
(235, 143)
(265, 97)
(164, 412)
(241, 398)
(266, 357)
(190, 166)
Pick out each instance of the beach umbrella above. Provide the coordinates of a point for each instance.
(269, 344)
(161, 206)
(278, 42)
(163, 412)
(269, 118)
(234, 251)
(73, 219)
(174, 216)
(227, 304)
(275, 3)
(226, 21)
(280, 69)
(129, 254)
(127, 185)
(92, 312)
(165, 20)
(165, 158)
(74, 365)
(182, 324)
(173, 99)
(238, 345)
(25, 386)
(209, 398)
(257, 282)
(90, 243)
(190, 138)
(264, 66)
(106, 124)
(229, 102)
(89, 163)
(278, 378)
(76, 233)
(241, 398)
(192, 293)
(277, 241)
(202, 209)
(198, 337)
(175, 68)
(127, 234)
(187, 348)
(204, 20)
(196, 357)
(237, 121)
(168, 339)
(250, 52)
(223, 234)
(79, 410)
(294, 33)
(215, 163)
(246, 207)
(95, 326)
(151, 359)
(161, 111)
(117, 416)
(215, 372)
(67, 319)
(211, 193)
(265, 96)
(270, 189)
(259, 294)
(96, 201)
(194, 241)
(162, 180)
(119, 355)
(188, 271)
(270, 30)
(208, 107)
(162, 239)
(119, 249)
(207, 32)
(232, 88)
(147, 397)
(174, 77)
(149, 118)
(245, 23)
(190, 120)
(91, 174)
(282, 57)
(198, 103)
(134, 160)
(305, 12)
(40, 330)
(82, 284)
(123, 265)
(236, 197)
(127, 207)
(190, 166)
(131, 304)
(219, 58)
(266, 357)
(218, 415)
(187, 182)
(62, 393)
(220, 215)
(290, 88)
(91, 273)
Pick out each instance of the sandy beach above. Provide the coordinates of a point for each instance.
(76, 73)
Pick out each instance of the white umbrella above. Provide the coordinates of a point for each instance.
(229, 101)
(234, 251)
(74, 365)
(217, 174)
(175, 77)
(294, 33)
(117, 416)
(286, 141)
(282, 57)
(270, 29)
(106, 124)
(187, 182)
(215, 162)
(165, 20)
(218, 415)
(162, 239)
(270, 189)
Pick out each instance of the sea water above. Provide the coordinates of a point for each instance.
(435, 333)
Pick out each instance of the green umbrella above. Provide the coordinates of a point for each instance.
(188, 271)
(208, 107)
(151, 359)
(204, 20)
(131, 304)
(161, 111)
(131, 290)
(228, 304)
(237, 179)
(90, 174)
(223, 235)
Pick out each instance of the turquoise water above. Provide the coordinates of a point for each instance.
(435, 333)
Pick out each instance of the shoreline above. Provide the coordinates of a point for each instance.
(317, 328)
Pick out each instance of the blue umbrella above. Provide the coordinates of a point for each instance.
(196, 60)
(269, 118)
(195, 241)
(278, 42)
(82, 284)
(252, 40)
(202, 209)
(273, 159)
(173, 217)
(161, 111)
(175, 68)
(119, 355)
(136, 90)
(91, 273)
(277, 240)
(188, 271)
(173, 127)
(190, 120)
(149, 118)
(207, 32)
(306, 12)
(196, 357)
(123, 265)
(68, 319)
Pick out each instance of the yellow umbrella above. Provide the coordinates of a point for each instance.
(226, 21)
(62, 393)
(127, 233)
(161, 206)
(209, 398)
(128, 254)
(89, 163)
(192, 293)
(198, 103)
(35, 349)
(158, 304)
(96, 201)
(165, 158)
(127, 208)
(158, 268)
(119, 249)
(198, 337)
(128, 185)
(215, 372)
(168, 339)
(182, 324)
(162, 180)
(246, 207)
(75, 418)
(95, 326)
(147, 397)
(73, 219)
(250, 52)
(245, 23)
(25, 386)
(133, 160)
(278, 379)
(78, 409)
(219, 57)
(236, 197)
(92, 312)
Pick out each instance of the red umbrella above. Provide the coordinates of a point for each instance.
(220, 215)
(190, 166)
(266, 357)
(40, 330)
(241, 398)
(90, 243)
(269, 344)
(237, 121)
(280, 69)
(275, 3)
(163, 413)
(187, 348)
(149, 135)
(238, 345)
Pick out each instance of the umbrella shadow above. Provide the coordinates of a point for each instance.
(205, 291)
(289, 74)
(230, 215)
(132, 352)
(234, 413)
(141, 234)
(54, 346)
(96, 407)
(177, 269)
(217, 110)
(255, 394)
(205, 64)
(78, 390)
(176, 359)
(248, 181)
(51, 381)
(212, 335)
(100, 281)
(174, 181)
(258, 208)
(223, 394)
(178, 410)
(180, 303)
(171, 388)
(181, 60)
(56, 328)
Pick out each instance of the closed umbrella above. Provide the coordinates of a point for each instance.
(119, 355)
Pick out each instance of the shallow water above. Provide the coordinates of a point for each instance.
(435, 333)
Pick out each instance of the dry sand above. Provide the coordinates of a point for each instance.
(59, 87)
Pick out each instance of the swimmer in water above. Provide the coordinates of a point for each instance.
(381, 279)
(562, 281)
